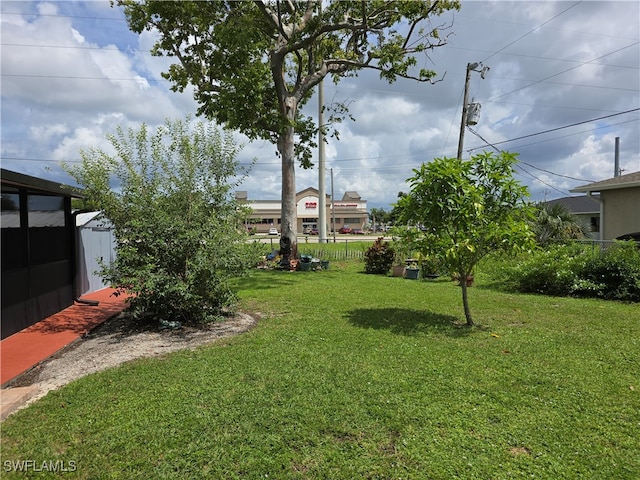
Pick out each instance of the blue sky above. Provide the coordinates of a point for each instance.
(72, 71)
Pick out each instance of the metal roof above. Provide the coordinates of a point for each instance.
(623, 181)
(38, 184)
(579, 204)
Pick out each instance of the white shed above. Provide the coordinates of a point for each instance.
(95, 244)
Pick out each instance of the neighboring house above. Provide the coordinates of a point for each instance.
(38, 250)
(585, 208)
(96, 245)
(619, 204)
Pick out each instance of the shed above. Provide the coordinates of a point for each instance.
(95, 246)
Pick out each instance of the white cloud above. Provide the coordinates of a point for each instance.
(71, 75)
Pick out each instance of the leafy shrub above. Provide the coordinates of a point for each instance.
(179, 233)
(551, 271)
(613, 274)
(379, 257)
(576, 270)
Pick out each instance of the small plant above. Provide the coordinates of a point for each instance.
(429, 265)
(379, 257)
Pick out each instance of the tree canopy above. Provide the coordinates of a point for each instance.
(253, 65)
(468, 209)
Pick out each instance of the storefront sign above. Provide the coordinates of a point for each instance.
(311, 205)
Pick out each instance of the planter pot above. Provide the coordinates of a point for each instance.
(397, 270)
(305, 266)
(411, 273)
(469, 281)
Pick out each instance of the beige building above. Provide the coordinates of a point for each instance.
(266, 214)
(619, 204)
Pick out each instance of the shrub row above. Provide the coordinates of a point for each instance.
(578, 270)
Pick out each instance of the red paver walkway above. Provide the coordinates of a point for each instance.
(25, 349)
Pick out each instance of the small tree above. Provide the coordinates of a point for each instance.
(178, 229)
(470, 209)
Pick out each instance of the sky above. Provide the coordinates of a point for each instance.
(564, 82)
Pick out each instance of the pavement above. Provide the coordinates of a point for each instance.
(24, 350)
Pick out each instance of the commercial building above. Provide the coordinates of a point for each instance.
(266, 214)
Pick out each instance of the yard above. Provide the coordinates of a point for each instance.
(349, 376)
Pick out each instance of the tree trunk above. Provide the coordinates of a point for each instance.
(289, 226)
(465, 300)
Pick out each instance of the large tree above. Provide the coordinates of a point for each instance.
(253, 65)
(469, 208)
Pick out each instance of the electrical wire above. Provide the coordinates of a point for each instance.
(558, 128)
(530, 32)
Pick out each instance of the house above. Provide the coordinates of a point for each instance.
(619, 204)
(38, 250)
(585, 207)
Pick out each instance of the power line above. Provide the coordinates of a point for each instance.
(26, 14)
(559, 128)
(530, 32)
(528, 164)
(560, 73)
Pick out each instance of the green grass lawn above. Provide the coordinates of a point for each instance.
(351, 376)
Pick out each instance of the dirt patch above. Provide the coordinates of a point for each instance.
(516, 451)
(120, 340)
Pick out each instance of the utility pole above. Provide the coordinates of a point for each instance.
(465, 101)
(616, 161)
(333, 210)
(322, 196)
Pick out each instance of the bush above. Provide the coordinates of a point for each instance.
(179, 233)
(577, 270)
(614, 274)
(552, 271)
(379, 257)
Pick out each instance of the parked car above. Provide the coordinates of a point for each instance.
(345, 229)
(273, 231)
(314, 231)
(357, 231)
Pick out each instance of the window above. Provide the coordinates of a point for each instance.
(14, 238)
(48, 237)
(10, 210)
(352, 220)
(45, 211)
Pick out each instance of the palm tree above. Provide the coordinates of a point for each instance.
(554, 223)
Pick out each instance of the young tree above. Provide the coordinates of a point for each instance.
(178, 229)
(470, 209)
(253, 65)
